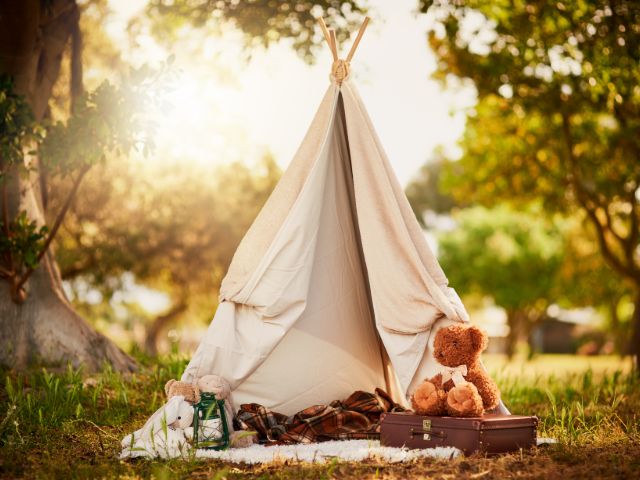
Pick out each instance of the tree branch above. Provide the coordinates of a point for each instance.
(604, 246)
(5, 209)
(5, 226)
(590, 204)
(56, 226)
(161, 322)
(56, 29)
(622, 240)
(4, 273)
(76, 86)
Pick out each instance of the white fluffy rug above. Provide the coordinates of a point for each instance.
(347, 450)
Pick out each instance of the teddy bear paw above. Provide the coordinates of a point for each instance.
(464, 401)
(428, 399)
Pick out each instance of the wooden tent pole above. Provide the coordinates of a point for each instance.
(363, 27)
(340, 68)
(325, 32)
(333, 44)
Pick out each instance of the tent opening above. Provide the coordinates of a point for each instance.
(333, 348)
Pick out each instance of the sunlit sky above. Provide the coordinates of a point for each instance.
(228, 109)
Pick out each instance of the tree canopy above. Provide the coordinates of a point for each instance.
(558, 111)
(425, 193)
(262, 22)
(511, 256)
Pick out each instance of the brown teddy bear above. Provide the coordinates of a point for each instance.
(462, 388)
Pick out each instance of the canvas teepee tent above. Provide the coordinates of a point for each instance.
(333, 288)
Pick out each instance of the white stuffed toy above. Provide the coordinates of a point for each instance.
(165, 434)
(220, 387)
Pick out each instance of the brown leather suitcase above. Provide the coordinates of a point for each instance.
(489, 434)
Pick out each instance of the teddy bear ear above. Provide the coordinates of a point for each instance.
(478, 338)
(167, 386)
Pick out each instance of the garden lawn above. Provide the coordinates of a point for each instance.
(69, 425)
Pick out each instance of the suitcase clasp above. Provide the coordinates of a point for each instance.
(426, 425)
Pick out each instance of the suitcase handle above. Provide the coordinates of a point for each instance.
(414, 432)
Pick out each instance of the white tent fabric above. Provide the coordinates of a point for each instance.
(334, 287)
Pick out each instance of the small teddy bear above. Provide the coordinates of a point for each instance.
(190, 392)
(462, 388)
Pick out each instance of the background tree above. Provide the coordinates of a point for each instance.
(558, 112)
(512, 257)
(583, 279)
(36, 319)
(175, 235)
(425, 193)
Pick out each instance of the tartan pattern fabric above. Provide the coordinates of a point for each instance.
(357, 417)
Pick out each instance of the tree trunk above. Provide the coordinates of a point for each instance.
(532, 319)
(160, 324)
(44, 328)
(513, 320)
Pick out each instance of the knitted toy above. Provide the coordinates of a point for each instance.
(462, 388)
(165, 434)
(220, 387)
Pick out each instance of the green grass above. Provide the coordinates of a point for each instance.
(69, 425)
(578, 399)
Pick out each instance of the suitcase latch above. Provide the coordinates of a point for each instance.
(426, 425)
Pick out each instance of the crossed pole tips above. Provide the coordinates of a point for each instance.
(340, 67)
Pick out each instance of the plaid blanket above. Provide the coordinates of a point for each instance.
(357, 417)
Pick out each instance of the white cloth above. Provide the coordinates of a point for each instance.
(345, 450)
